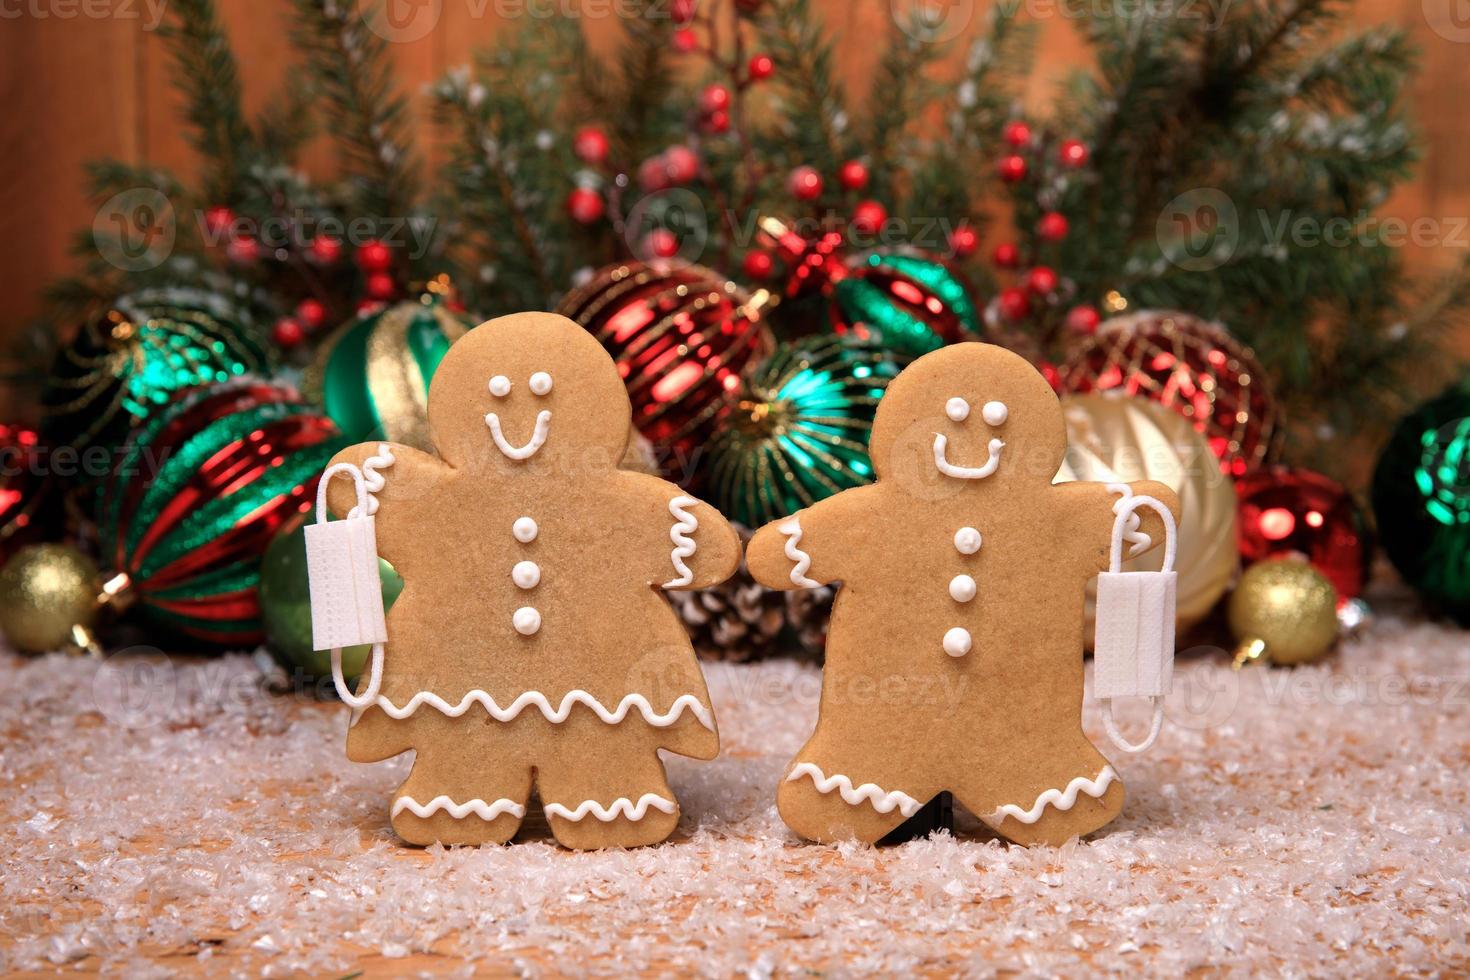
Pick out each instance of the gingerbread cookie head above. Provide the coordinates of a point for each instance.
(525, 389)
(966, 416)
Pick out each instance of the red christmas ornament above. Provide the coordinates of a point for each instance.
(325, 250)
(380, 286)
(1052, 227)
(685, 40)
(1006, 256)
(1017, 133)
(288, 333)
(1073, 153)
(1083, 320)
(217, 222)
(963, 241)
(374, 256)
(1012, 168)
(1014, 304)
(681, 164)
(1191, 366)
(681, 337)
(243, 250)
(761, 67)
(1295, 513)
(717, 121)
(590, 144)
(805, 183)
(868, 217)
(758, 264)
(30, 507)
(1041, 280)
(585, 205)
(714, 97)
(311, 313)
(853, 175)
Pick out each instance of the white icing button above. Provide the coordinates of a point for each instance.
(962, 588)
(524, 529)
(995, 413)
(540, 383)
(957, 409)
(526, 574)
(967, 540)
(957, 642)
(527, 621)
(500, 386)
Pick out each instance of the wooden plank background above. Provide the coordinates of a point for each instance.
(84, 78)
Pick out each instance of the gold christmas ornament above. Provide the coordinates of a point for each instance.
(1283, 610)
(1113, 439)
(49, 598)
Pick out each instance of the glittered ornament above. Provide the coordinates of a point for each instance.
(1111, 439)
(1421, 500)
(909, 302)
(198, 494)
(372, 376)
(1287, 512)
(285, 610)
(799, 430)
(1284, 611)
(29, 506)
(124, 364)
(48, 598)
(1194, 367)
(681, 336)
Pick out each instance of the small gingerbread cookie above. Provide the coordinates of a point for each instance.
(954, 656)
(530, 646)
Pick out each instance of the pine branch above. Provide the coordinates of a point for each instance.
(900, 94)
(813, 112)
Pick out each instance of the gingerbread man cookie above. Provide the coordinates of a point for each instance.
(954, 657)
(530, 645)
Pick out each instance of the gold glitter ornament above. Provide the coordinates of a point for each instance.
(1285, 611)
(49, 598)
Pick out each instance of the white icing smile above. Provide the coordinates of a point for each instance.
(994, 413)
(538, 436)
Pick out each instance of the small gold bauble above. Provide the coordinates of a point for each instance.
(1284, 610)
(48, 598)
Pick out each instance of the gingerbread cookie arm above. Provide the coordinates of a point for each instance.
(394, 475)
(1148, 532)
(799, 552)
(692, 546)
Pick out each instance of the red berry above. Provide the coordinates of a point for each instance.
(1006, 256)
(380, 285)
(287, 333)
(1052, 227)
(585, 205)
(758, 264)
(1083, 319)
(243, 251)
(685, 40)
(681, 164)
(1012, 168)
(217, 221)
(374, 256)
(661, 243)
(853, 175)
(963, 241)
(717, 121)
(1017, 133)
(311, 313)
(1041, 280)
(366, 307)
(714, 98)
(1014, 303)
(805, 183)
(761, 67)
(868, 217)
(590, 144)
(326, 250)
(1073, 153)
(652, 174)
(683, 10)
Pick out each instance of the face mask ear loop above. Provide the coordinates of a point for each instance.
(375, 672)
(1171, 547)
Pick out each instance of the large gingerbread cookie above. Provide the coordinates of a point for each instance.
(954, 658)
(531, 646)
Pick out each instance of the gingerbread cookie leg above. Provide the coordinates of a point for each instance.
(430, 808)
(823, 803)
(1080, 792)
(614, 793)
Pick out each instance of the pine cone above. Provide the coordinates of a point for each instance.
(807, 614)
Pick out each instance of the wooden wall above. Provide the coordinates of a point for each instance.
(83, 78)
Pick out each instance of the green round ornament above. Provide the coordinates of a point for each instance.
(372, 375)
(799, 431)
(285, 609)
(1421, 498)
(910, 303)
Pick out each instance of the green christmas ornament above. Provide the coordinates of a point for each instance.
(285, 609)
(799, 431)
(122, 366)
(1421, 497)
(372, 376)
(910, 303)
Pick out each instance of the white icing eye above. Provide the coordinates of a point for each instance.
(540, 383)
(995, 413)
(957, 409)
(500, 386)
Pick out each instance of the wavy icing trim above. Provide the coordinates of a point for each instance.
(866, 793)
(557, 715)
(1138, 541)
(792, 529)
(621, 807)
(1061, 799)
(373, 481)
(481, 809)
(538, 436)
(684, 546)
